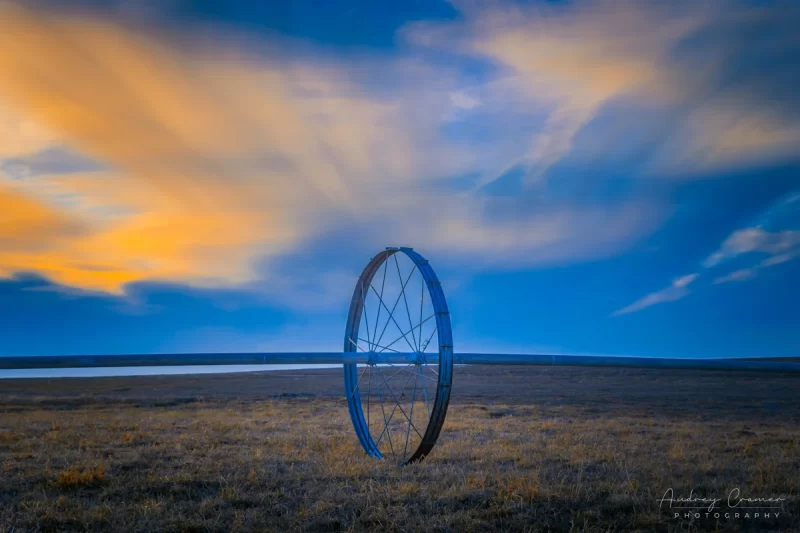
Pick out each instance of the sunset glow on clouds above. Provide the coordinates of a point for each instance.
(509, 137)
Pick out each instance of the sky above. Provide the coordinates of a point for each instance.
(594, 177)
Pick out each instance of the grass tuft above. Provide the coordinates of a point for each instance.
(81, 476)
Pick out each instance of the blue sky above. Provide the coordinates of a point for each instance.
(585, 177)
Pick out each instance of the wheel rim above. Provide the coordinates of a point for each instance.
(398, 306)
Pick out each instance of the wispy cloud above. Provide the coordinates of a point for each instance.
(21, 136)
(750, 240)
(737, 275)
(678, 289)
(214, 161)
(220, 154)
(463, 100)
(779, 247)
(676, 66)
(217, 160)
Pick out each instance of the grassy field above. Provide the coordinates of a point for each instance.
(523, 449)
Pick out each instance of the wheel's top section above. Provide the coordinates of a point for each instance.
(399, 298)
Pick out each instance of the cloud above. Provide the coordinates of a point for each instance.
(215, 154)
(781, 247)
(678, 289)
(550, 234)
(183, 202)
(728, 135)
(756, 240)
(565, 62)
(684, 281)
(737, 275)
(779, 259)
(212, 161)
(20, 136)
(463, 100)
(749, 273)
(30, 226)
(671, 73)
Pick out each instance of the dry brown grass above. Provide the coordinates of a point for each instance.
(81, 476)
(294, 465)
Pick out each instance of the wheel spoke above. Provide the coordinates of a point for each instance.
(390, 378)
(383, 347)
(406, 333)
(405, 300)
(397, 301)
(378, 317)
(354, 343)
(391, 415)
(386, 427)
(391, 317)
(400, 371)
(406, 369)
(353, 392)
(408, 430)
(394, 397)
(425, 346)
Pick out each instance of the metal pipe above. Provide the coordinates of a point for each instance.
(178, 359)
(621, 361)
(315, 358)
(200, 359)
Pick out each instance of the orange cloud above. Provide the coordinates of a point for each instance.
(167, 241)
(731, 132)
(218, 160)
(29, 225)
(21, 136)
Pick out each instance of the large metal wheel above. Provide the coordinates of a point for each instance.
(398, 310)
